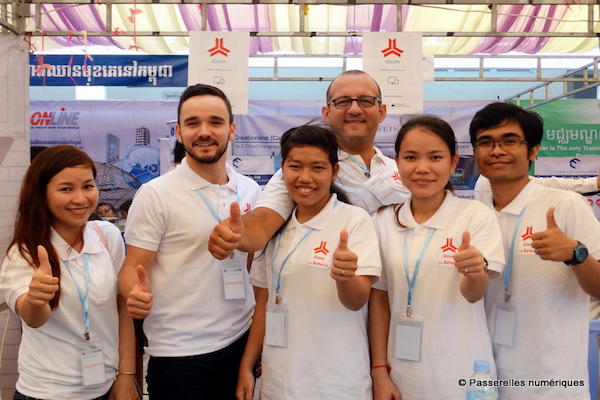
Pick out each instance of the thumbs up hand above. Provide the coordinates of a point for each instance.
(139, 301)
(552, 244)
(345, 262)
(43, 285)
(468, 260)
(226, 236)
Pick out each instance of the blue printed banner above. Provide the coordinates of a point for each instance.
(104, 70)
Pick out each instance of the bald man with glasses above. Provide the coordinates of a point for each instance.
(353, 111)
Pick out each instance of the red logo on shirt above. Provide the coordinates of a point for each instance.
(449, 246)
(396, 176)
(392, 49)
(219, 48)
(528, 233)
(248, 208)
(322, 248)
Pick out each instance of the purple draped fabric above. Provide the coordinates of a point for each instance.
(240, 18)
(522, 18)
(257, 18)
(84, 17)
(371, 18)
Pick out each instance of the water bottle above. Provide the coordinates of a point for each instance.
(478, 384)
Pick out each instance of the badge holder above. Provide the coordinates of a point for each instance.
(384, 190)
(409, 334)
(233, 276)
(92, 363)
(505, 325)
(276, 332)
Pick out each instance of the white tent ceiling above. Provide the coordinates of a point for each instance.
(450, 27)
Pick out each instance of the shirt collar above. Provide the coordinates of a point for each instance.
(342, 155)
(439, 220)
(319, 221)
(91, 244)
(519, 203)
(193, 181)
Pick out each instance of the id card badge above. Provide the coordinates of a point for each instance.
(233, 276)
(276, 332)
(384, 189)
(505, 325)
(92, 363)
(409, 333)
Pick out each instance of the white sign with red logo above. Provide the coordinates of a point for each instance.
(395, 61)
(220, 59)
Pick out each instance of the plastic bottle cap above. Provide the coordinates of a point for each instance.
(481, 366)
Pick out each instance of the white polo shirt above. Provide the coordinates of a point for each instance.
(190, 315)
(327, 356)
(49, 356)
(454, 332)
(384, 179)
(552, 324)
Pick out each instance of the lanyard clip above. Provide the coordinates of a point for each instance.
(506, 296)
(277, 298)
(86, 335)
(408, 310)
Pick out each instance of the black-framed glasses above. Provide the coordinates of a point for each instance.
(344, 103)
(488, 144)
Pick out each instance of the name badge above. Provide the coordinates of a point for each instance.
(233, 276)
(385, 189)
(92, 363)
(276, 327)
(506, 325)
(409, 334)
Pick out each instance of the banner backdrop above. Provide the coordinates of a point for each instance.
(126, 133)
(105, 70)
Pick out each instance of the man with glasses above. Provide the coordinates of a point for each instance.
(370, 179)
(538, 312)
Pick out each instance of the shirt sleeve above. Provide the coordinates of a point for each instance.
(276, 197)
(116, 245)
(361, 232)
(581, 185)
(15, 277)
(145, 220)
(258, 273)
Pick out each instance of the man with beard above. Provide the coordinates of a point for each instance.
(197, 309)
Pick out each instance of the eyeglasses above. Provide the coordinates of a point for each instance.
(344, 103)
(487, 144)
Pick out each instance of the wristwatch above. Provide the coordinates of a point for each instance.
(580, 254)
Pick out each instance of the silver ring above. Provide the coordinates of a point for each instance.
(343, 272)
(466, 270)
(537, 251)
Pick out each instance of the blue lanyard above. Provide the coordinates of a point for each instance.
(365, 169)
(277, 281)
(509, 261)
(83, 298)
(210, 208)
(411, 281)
